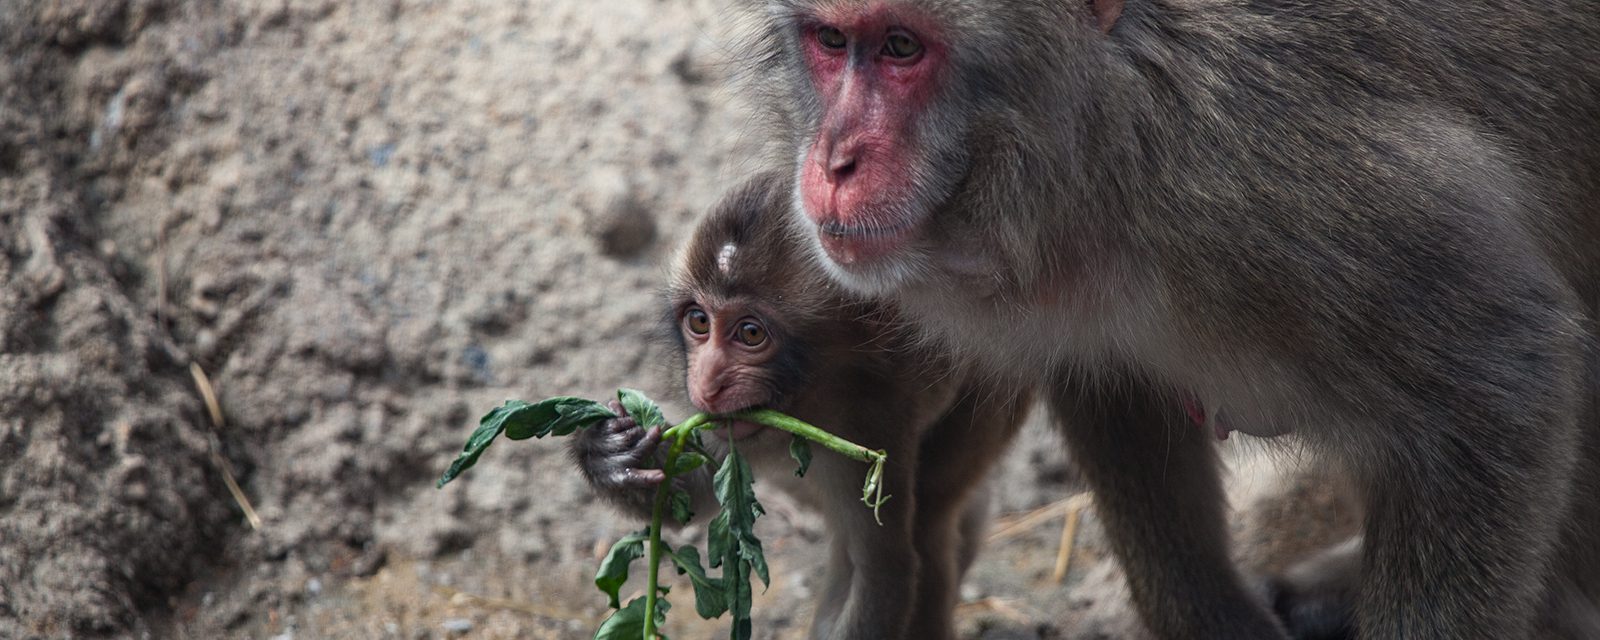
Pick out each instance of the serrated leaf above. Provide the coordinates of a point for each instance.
(559, 416)
(686, 462)
(613, 570)
(731, 539)
(800, 450)
(709, 599)
(739, 601)
(522, 420)
(643, 410)
(488, 429)
(578, 413)
(519, 420)
(662, 606)
(627, 623)
(681, 505)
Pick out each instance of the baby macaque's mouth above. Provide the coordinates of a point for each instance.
(735, 429)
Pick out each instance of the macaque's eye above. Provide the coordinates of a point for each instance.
(830, 37)
(697, 321)
(901, 45)
(751, 334)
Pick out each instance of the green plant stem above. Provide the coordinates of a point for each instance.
(695, 422)
(657, 513)
(679, 436)
(800, 428)
(872, 492)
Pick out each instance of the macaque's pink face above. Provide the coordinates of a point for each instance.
(728, 352)
(730, 355)
(874, 71)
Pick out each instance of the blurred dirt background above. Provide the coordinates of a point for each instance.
(366, 223)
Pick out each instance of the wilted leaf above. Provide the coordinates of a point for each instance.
(613, 570)
(681, 505)
(739, 598)
(709, 600)
(559, 416)
(872, 490)
(800, 450)
(731, 539)
(686, 462)
(488, 429)
(627, 623)
(643, 409)
(573, 414)
(519, 420)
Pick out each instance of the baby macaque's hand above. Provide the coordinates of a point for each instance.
(618, 455)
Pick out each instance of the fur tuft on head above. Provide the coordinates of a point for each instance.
(747, 248)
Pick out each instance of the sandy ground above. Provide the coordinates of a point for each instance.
(367, 223)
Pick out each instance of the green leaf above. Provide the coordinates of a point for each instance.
(613, 570)
(643, 409)
(627, 623)
(800, 450)
(488, 429)
(732, 542)
(709, 600)
(519, 420)
(682, 506)
(557, 416)
(686, 462)
(577, 413)
(739, 599)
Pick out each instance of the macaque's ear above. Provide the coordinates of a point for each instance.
(1105, 13)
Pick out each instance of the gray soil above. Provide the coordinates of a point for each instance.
(368, 223)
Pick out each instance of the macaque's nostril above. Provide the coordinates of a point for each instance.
(841, 168)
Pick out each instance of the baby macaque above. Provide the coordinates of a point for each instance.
(759, 325)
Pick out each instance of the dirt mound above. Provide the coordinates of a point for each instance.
(107, 496)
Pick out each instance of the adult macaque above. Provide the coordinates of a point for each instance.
(759, 325)
(1376, 224)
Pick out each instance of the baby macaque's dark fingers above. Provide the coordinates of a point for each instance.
(645, 448)
(625, 440)
(614, 436)
(621, 423)
(635, 478)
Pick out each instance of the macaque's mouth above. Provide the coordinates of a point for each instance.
(737, 429)
(848, 245)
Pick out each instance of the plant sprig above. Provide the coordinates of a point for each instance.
(731, 541)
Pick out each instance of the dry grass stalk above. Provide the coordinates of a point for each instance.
(214, 407)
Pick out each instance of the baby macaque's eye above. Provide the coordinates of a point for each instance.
(696, 320)
(751, 334)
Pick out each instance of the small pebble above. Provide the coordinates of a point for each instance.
(619, 221)
(457, 625)
(314, 586)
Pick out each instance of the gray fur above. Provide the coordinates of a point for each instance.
(1374, 223)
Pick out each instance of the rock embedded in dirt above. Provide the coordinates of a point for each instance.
(620, 223)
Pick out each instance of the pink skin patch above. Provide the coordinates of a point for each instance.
(1197, 414)
(724, 372)
(856, 181)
